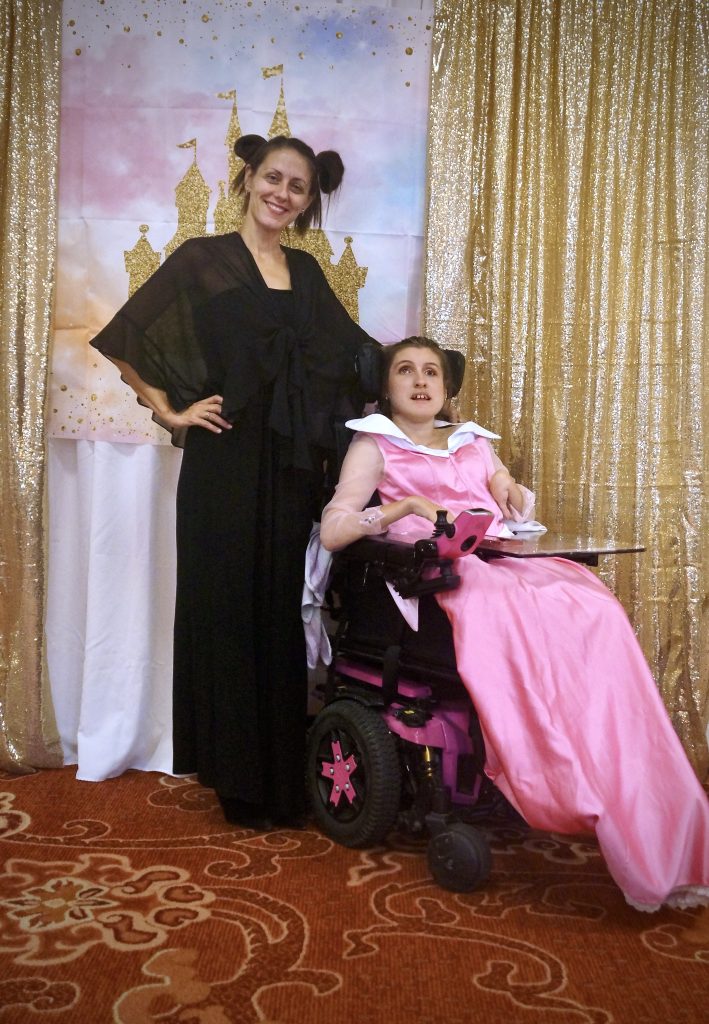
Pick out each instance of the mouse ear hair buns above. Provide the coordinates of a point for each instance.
(330, 170)
(248, 146)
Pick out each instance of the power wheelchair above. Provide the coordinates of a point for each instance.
(397, 742)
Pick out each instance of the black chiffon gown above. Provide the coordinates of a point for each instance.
(244, 515)
(205, 324)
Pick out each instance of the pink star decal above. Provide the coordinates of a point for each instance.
(340, 771)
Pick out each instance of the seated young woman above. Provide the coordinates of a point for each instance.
(576, 734)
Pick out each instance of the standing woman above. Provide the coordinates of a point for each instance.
(242, 350)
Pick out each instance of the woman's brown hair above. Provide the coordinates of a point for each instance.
(326, 172)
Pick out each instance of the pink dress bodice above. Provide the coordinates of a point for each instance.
(454, 480)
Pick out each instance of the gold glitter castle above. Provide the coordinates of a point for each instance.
(192, 196)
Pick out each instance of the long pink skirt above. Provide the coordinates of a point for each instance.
(577, 736)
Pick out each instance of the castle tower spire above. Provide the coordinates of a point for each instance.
(233, 134)
(227, 212)
(141, 261)
(279, 124)
(192, 202)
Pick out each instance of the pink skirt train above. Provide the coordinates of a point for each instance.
(577, 736)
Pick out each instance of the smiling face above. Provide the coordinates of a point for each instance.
(279, 189)
(415, 385)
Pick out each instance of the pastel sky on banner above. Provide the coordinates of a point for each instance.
(148, 91)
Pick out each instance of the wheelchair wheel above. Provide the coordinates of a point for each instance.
(459, 858)
(353, 777)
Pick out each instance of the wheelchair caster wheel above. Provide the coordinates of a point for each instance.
(353, 778)
(459, 858)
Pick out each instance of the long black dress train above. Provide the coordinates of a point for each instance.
(206, 323)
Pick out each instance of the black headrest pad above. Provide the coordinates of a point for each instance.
(369, 369)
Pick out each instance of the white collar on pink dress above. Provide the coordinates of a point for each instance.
(377, 423)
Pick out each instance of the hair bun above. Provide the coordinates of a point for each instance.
(330, 170)
(248, 146)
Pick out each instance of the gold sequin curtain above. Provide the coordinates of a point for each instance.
(567, 257)
(29, 122)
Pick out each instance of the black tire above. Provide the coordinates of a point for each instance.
(365, 808)
(459, 858)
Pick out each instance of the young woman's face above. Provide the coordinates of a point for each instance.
(416, 386)
(279, 189)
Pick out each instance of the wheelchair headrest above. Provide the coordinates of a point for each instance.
(369, 369)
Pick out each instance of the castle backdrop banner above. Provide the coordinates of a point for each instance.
(154, 96)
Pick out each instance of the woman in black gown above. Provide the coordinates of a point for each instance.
(242, 350)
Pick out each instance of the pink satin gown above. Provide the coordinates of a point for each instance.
(577, 736)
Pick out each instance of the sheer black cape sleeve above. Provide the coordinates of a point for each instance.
(205, 323)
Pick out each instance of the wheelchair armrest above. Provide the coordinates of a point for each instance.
(412, 569)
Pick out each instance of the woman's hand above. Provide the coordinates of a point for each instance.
(206, 413)
(413, 505)
(420, 506)
(506, 493)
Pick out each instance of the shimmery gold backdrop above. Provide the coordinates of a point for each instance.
(567, 257)
(29, 92)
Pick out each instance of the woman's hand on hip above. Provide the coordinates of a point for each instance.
(206, 413)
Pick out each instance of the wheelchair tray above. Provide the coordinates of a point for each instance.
(550, 545)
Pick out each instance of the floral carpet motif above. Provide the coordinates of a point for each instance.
(131, 901)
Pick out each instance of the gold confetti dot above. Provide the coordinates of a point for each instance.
(77, 52)
(63, 427)
(72, 23)
(407, 84)
(339, 35)
(158, 33)
(205, 18)
(181, 42)
(93, 398)
(126, 28)
(301, 55)
(408, 51)
(63, 387)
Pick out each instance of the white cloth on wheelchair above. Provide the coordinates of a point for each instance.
(530, 526)
(408, 606)
(317, 572)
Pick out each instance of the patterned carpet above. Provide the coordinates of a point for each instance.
(131, 901)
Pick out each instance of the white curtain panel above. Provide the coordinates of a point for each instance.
(110, 603)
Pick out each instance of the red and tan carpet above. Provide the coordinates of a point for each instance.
(131, 901)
